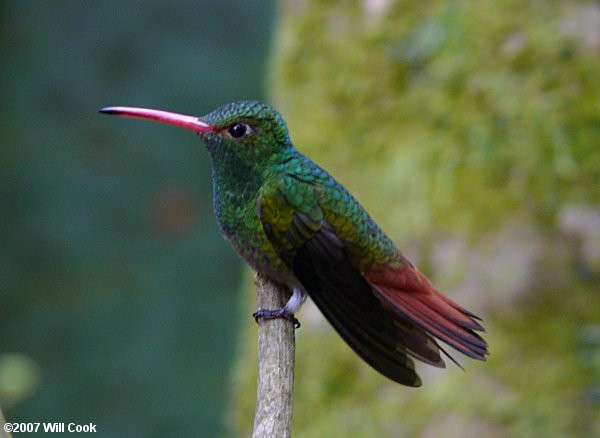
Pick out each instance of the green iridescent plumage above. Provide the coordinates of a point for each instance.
(267, 165)
(302, 188)
(289, 219)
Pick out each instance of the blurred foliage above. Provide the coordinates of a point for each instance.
(118, 298)
(470, 131)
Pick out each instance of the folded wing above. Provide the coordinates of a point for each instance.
(386, 332)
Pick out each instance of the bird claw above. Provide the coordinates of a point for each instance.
(274, 314)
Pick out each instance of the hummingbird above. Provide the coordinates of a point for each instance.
(292, 221)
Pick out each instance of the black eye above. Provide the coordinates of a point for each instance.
(238, 130)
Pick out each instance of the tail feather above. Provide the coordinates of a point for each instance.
(451, 310)
(409, 293)
(446, 330)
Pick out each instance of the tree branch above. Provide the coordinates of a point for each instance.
(274, 394)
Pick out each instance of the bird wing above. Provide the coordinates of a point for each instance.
(293, 219)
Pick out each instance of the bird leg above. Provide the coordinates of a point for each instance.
(292, 306)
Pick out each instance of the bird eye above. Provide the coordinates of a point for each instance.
(238, 130)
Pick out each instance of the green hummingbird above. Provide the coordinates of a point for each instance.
(290, 220)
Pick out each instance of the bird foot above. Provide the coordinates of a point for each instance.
(273, 314)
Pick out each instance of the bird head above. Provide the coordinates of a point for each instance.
(251, 131)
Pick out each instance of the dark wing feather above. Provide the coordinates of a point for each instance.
(347, 301)
(381, 336)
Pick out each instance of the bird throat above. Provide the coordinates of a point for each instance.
(236, 184)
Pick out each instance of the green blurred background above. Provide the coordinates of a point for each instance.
(119, 299)
(469, 130)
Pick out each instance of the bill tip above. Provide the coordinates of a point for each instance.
(108, 110)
